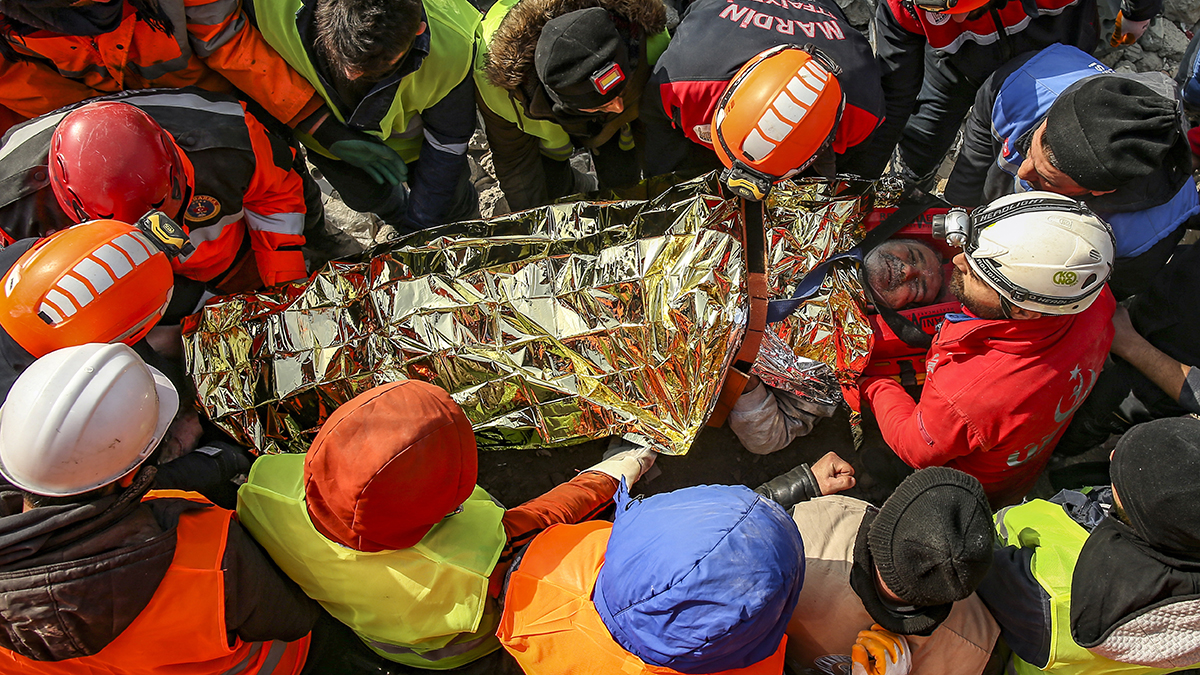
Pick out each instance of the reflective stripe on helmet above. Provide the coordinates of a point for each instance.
(93, 275)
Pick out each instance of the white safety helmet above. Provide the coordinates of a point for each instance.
(1041, 251)
(82, 417)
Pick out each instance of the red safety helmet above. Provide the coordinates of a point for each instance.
(110, 160)
(102, 281)
(779, 112)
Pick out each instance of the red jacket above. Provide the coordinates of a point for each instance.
(997, 395)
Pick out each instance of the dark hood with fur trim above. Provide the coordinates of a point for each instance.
(510, 54)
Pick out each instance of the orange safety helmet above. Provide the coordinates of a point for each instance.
(102, 281)
(112, 160)
(780, 111)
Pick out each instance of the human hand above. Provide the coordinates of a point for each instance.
(1125, 336)
(833, 474)
(626, 460)
(1127, 32)
(377, 159)
(182, 436)
(880, 652)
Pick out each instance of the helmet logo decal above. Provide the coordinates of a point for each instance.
(1065, 278)
(202, 208)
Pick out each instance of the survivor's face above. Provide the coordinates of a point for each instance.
(904, 273)
(1038, 172)
(982, 300)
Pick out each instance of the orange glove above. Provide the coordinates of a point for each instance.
(880, 652)
(1127, 32)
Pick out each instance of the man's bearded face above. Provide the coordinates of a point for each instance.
(904, 273)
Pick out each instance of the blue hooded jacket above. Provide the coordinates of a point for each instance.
(700, 580)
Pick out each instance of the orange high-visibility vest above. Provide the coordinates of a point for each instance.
(550, 625)
(182, 630)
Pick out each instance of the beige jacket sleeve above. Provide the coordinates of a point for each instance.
(829, 615)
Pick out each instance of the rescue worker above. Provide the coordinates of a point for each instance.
(699, 580)
(901, 273)
(903, 576)
(554, 76)
(58, 52)
(63, 291)
(400, 72)
(723, 85)
(1103, 580)
(1154, 349)
(102, 574)
(1005, 375)
(935, 54)
(1059, 120)
(106, 281)
(382, 523)
(200, 158)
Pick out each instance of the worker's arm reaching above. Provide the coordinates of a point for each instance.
(1181, 382)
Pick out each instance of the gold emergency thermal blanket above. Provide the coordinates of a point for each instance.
(550, 326)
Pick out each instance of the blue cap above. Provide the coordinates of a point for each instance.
(700, 580)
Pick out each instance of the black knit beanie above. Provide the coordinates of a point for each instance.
(582, 59)
(1154, 473)
(1110, 130)
(932, 540)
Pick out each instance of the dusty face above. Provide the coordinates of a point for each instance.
(904, 273)
(982, 300)
(1041, 174)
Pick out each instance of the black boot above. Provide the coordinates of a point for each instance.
(793, 487)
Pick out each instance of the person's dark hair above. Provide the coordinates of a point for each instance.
(1048, 151)
(366, 36)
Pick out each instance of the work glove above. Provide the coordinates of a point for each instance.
(368, 153)
(880, 652)
(1127, 32)
(626, 460)
(378, 160)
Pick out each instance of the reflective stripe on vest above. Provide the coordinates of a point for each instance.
(453, 29)
(551, 135)
(182, 630)
(1057, 540)
(550, 625)
(423, 606)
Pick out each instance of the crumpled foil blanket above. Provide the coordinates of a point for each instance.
(550, 326)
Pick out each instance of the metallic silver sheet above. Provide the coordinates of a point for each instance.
(551, 326)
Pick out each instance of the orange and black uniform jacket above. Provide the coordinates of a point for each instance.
(245, 193)
(213, 46)
(170, 585)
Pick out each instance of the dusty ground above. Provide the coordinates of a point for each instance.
(512, 476)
